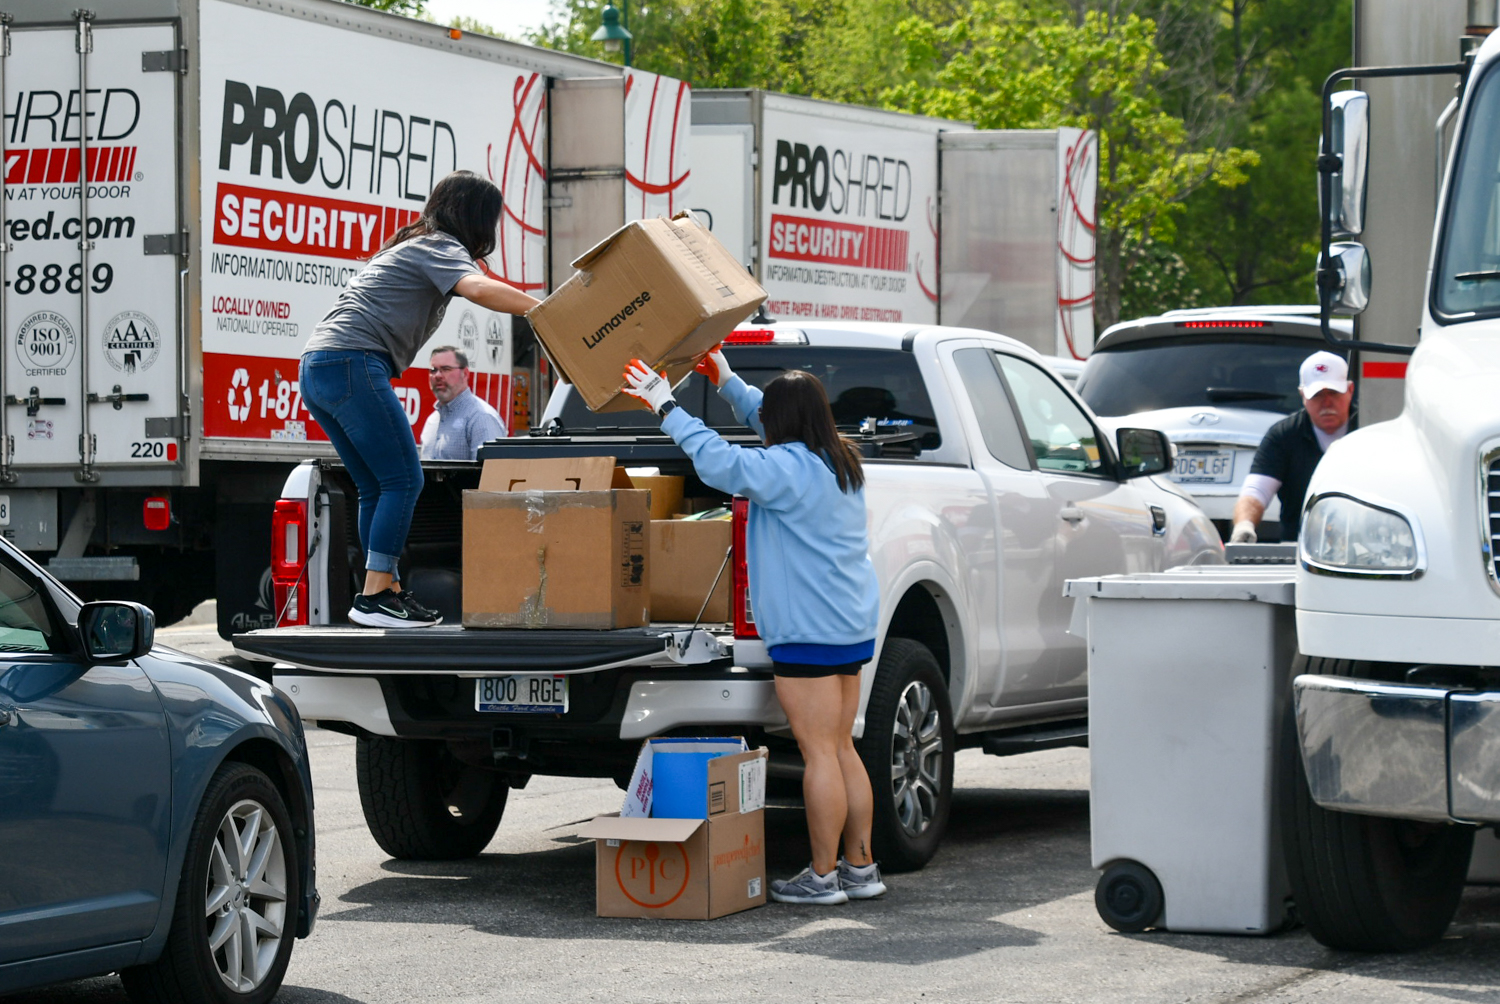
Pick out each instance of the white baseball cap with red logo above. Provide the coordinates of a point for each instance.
(1323, 371)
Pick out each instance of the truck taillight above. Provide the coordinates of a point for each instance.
(744, 618)
(289, 561)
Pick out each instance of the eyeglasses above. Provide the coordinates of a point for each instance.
(444, 370)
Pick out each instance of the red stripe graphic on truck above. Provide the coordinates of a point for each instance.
(853, 244)
(302, 224)
(59, 165)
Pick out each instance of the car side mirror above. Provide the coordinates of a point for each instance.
(1350, 114)
(114, 629)
(1144, 451)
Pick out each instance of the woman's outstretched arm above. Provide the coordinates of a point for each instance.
(494, 294)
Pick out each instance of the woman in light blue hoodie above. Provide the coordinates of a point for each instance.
(813, 590)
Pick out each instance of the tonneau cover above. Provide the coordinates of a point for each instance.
(452, 649)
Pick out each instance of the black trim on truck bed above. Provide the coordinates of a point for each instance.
(449, 648)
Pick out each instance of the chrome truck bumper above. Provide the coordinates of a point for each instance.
(1394, 749)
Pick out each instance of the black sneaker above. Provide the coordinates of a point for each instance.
(418, 611)
(388, 609)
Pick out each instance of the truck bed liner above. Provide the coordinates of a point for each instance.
(453, 649)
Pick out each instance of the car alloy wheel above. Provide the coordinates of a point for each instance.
(916, 758)
(246, 900)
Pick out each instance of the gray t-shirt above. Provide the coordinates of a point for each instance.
(396, 301)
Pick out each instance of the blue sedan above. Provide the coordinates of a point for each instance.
(156, 812)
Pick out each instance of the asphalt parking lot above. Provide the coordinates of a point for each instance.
(1005, 913)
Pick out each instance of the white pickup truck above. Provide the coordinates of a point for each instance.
(988, 484)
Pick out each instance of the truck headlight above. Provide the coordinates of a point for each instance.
(1345, 535)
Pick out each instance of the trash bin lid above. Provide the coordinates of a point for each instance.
(1256, 583)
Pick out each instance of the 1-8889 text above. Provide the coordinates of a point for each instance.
(51, 279)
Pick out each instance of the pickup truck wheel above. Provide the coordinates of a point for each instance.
(1365, 883)
(908, 750)
(423, 803)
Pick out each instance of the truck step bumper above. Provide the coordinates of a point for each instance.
(1395, 749)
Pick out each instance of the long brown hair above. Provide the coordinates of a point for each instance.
(795, 410)
(464, 206)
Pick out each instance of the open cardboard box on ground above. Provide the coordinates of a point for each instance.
(662, 291)
(556, 543)
(694, 868)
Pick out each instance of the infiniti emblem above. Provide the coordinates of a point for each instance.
(1204, 418)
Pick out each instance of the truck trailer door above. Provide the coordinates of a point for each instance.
(89, 308)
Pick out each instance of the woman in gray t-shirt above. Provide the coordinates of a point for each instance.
(371, 336)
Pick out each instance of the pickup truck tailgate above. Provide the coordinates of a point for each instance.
(452, 649)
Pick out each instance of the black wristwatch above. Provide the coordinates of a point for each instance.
(666, 409)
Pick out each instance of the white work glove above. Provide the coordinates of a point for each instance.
(1244, 533)
(647, 386)
(715, 366)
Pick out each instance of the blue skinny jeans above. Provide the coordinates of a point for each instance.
(349, 392)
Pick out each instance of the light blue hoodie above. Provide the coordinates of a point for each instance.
(811, 578)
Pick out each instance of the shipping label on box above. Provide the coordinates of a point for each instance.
(662, 291)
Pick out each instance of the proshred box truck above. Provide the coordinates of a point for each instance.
(1017, 235)
(165, 264)
(833, 208)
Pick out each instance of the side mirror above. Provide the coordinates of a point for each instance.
(1348, 277)
(1144, 451)
(1351, 144)
(113, 630)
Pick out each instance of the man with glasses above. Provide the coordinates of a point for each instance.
(461, 422)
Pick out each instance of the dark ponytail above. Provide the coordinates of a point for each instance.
(464, 206)
(795, 410)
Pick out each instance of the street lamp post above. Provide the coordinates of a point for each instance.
(614, 32)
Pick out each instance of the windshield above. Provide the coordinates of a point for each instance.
(1193, 372)
(1467, 271)
(883, 385)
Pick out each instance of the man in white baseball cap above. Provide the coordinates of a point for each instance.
(1292, 447)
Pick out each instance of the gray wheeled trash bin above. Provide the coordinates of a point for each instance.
(1188, 670)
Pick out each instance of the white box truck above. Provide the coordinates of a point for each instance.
(851, 213)
(165, 261)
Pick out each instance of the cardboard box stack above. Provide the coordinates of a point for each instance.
(560, 543)
(689, 842)
(662, 291)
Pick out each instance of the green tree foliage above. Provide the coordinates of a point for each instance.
(411, 8)
(1008, 66)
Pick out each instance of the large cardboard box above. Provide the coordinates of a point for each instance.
(686, 556)
(666, 493)
(556, 544)
(662, 291)
(688, 869)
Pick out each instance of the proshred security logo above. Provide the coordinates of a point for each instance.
(45, 344)
(589, 341)
(131, 342)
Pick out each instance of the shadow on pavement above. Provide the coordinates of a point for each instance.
(1028, 845)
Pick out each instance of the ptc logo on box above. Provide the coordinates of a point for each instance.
(652, 875)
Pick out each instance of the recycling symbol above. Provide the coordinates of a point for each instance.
(241, 379)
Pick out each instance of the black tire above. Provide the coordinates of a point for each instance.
(188, 970)
(424, 804)
(1128, 897)
(912, 795)
(1365, 883)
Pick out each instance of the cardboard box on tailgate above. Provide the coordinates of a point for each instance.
(689, 843)
(557, 543)
(662, 291)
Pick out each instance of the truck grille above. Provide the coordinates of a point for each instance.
(1491, 508)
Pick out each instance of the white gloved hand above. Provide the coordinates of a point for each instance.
(647, 386)
(715, 366)
(1244, 533)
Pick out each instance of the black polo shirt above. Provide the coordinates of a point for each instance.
(1289, 453)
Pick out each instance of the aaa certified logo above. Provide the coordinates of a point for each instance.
(131, 342)
(45, 344)
(650, 874)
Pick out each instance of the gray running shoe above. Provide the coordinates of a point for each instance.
(809, 887)
(862, 882)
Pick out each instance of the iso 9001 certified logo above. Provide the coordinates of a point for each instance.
(45, 344)
(131, 342)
